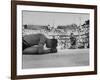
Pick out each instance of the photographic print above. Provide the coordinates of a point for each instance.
(53, 39)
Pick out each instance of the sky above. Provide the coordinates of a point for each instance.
(53, 18)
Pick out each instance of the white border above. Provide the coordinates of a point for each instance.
(21, 71)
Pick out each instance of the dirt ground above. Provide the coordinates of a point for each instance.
(63, 58)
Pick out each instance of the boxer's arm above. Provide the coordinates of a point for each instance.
(41, 44)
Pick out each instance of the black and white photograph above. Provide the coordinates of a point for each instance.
(55, 39)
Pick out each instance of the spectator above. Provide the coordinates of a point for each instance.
(72, 41)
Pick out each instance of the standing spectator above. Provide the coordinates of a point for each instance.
(72, 41)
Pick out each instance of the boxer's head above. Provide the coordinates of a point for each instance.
(72, 34)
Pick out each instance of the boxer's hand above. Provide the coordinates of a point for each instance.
(45, 48)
